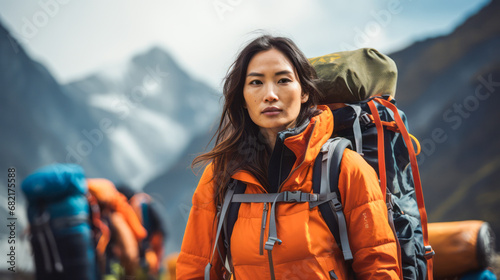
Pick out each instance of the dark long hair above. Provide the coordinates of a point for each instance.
(239, 144)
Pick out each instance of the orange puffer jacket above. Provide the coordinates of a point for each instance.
(308, 249)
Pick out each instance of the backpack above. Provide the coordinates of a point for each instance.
(151, 248)
(378, 131)
(59, 217)
(366, 115)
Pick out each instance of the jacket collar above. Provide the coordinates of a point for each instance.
(305, 143)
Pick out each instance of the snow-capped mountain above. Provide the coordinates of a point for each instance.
(154, 109)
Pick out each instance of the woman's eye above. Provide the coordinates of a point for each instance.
(284, 80)
(255, 82)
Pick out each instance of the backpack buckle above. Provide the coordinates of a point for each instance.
(337, 205)
(388, 200)
(42, 219)
(270, 243)
(429, 252)
(313, 197)
(365, 119)
(294, 196)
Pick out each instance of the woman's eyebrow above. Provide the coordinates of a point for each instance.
(284, 72)
(255, 74)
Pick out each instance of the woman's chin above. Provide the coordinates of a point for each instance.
(275, 126)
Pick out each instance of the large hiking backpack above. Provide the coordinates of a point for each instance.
(378, 131)
(58, 213)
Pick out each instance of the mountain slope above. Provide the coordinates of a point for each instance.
(37, 122)
(448, 86)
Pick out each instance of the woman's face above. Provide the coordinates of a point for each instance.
(272, 92)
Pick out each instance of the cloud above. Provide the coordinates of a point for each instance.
(204, 36)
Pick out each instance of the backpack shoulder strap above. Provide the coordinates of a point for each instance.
(325, 180)
(230, 220)
(232, 212)
(227, 201)
(356, 128)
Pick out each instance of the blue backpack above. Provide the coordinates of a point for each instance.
(59, 216)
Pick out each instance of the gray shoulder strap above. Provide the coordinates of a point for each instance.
(356, 129)
(227, 200)
(333, 151)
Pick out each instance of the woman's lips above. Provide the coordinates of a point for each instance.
(271, 111)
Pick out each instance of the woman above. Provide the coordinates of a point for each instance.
(269, 136)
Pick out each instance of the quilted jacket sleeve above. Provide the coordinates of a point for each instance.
(371, 238)
(199, 236)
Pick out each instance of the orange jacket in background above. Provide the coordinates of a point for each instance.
(309, 250)
(105, 192)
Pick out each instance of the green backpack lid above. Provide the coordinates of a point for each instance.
(352, 76)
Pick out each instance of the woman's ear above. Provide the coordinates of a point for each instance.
(304, 97)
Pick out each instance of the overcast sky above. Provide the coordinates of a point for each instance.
(76, 38)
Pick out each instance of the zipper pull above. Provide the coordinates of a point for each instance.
(263, 227)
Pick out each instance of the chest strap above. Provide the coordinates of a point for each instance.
(287, 196)
(331, 155)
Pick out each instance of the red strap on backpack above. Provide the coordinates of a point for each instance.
(380, 147)
(381, 167)
(416, 174)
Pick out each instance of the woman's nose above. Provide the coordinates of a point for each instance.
(270, 94)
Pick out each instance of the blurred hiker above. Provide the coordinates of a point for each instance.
(59, 216)
(259, 183)
(151, 248)
(86, 229)
(126, 231)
